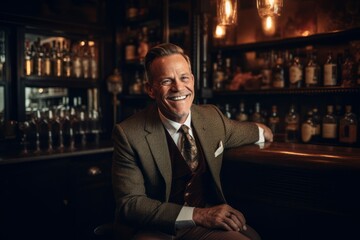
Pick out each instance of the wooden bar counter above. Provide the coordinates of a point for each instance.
(295, 191)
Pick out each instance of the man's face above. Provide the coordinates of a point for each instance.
(172, 87)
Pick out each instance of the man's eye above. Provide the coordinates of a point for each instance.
(166, 82)
(185, 78)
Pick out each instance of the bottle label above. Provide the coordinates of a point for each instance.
(348, 134)
(130, 52)
(307, 131)
(266, 77)
(329, 130)
(278, 80)
(295, 74)
(330, 73)
(310, 77)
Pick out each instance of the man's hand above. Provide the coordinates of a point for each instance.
(268, 135)
(221, 216)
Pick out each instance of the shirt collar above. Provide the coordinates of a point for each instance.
(173, 126)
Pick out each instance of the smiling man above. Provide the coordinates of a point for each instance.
(167, 159)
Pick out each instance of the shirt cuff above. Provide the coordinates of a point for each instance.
(184, 219)
(261, 140)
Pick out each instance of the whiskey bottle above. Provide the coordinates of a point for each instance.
(28, 58)
(278, 76)
(295, 73)
(348, 127)
(143, 42)
(227, 111)
(47, 62)
(77, 65)
(38, 59)
(55, 129)
(85, 60)
(58, 61)
(242, 116)
(130, 47)
(292, 125)
(93, 63)
(348, 70)
(329, 126)
(257, 115)
(266, 72)
(312, 71)
(330, 71)
(274, 120)
(308, 128)
(66, 59)
(131, 10)
(317, 124)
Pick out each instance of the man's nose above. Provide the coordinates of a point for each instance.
(177, 85)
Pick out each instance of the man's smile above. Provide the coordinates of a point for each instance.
(178, 98)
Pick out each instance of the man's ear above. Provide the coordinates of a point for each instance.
(149, 90)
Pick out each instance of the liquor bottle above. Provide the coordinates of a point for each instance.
(38, 59)
(218, 72)
(287, 64)
(242, 116)
(130, 47)
(32, 134)
(55, 129)
(329, 126)
(85, 60)
(47, 61)
(77, 65)
(228, 73)
(93, 63)
(348, 127)
(58, 68)
(308, 128)
(67, 131)
(292, 125)
(274, 120)
(317, 123)
(330, 71)
(44, 131)
(295, 73)
(143, 43)
(28, 58)
(348, 70)
(312, 71)
(136, 87)
(257, 115)
(131, 10)
(278, 77)
(227, 111)
(2, 55)
(66, 59)
(266, 73)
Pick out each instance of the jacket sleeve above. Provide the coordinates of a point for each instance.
(238, 133)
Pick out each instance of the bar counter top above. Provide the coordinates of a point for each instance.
(275, 153)
(296, 155)
(12, 157)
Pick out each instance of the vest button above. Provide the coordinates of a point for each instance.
(187, 194)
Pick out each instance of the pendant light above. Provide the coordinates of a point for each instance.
(227, 12)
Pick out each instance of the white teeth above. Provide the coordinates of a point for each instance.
(178, 98)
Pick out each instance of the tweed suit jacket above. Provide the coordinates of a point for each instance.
(141, 167)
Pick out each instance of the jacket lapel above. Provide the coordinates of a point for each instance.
(209, 141)
(160, 150)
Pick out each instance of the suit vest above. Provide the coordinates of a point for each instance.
(189, 188)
